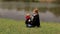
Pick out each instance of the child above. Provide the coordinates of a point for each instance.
(36, 20)
(28, 20)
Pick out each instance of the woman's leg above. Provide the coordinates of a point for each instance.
(38, 25)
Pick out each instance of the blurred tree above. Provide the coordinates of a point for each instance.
(58, 1)
(23, 0)
(12, 0)
(26, 0)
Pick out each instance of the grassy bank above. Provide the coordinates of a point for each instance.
(8, 26)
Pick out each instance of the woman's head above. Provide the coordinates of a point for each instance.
(35, 11)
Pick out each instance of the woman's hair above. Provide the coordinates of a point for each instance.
(36, 10)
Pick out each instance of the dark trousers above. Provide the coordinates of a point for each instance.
(36, 24)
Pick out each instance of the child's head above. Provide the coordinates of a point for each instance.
(35, 11)
(27, 16)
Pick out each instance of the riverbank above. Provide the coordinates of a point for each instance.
(8, 26)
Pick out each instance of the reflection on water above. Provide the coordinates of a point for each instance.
(55, 8)
(49, 17)
(19, 15)
(13, 14)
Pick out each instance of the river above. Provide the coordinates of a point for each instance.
(20, 15)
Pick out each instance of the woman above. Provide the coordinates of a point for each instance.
(36, 20)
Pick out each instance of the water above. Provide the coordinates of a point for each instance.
(19, 15)
(12, 14)
(47, 16)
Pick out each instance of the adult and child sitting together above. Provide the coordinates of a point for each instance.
(34, 20)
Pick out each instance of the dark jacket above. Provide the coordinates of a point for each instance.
(36, 20)
(28, 21)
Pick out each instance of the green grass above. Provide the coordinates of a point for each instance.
(9, 26)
